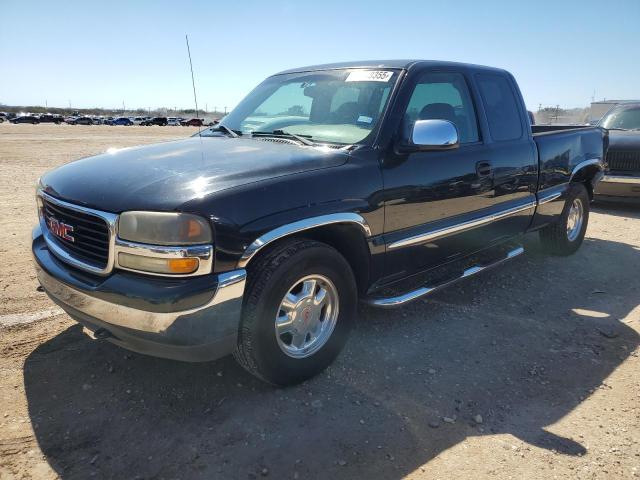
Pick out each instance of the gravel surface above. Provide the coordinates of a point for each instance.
(527, 371)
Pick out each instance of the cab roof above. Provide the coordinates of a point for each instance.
(392, 64)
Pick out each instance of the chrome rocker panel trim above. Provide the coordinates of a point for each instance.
(111, 219)
(230, 288)
(460, 227)
(300, 226)
(400, 300)
(620, 179)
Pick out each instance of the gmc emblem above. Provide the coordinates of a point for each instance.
(60, 229)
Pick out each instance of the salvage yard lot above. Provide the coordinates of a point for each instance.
(528, 371)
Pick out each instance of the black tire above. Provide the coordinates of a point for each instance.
(555, 238)
(269, 280)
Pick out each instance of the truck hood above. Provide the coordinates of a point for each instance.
(164, 176)
(624, 140)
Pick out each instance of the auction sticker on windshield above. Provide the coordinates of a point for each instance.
(369, 76)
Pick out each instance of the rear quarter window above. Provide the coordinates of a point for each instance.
(500, 106)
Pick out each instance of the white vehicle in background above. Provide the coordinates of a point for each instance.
(173, 122)
(137, 120)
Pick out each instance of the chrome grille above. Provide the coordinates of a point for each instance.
(90, 245)
(90, 234)
(623, 161)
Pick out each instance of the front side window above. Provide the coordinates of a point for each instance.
(442, 96)
(336, 106)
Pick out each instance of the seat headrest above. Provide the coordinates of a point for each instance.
(441, 111)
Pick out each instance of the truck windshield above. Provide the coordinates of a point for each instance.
(627, 118)
(330, 106)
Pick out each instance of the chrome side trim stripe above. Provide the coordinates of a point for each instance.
(546, 198)
(620, 179)
(295, 227)
(460, 227)
(391, 302)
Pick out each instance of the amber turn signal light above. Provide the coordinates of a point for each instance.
(182, 265)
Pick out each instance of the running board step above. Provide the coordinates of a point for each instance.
(400, 300)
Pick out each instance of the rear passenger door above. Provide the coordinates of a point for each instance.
(431, 195)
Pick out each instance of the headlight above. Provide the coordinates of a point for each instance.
(164, 228)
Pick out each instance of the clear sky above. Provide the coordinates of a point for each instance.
(101, 53)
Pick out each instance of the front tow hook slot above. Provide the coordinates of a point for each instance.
(102, 334)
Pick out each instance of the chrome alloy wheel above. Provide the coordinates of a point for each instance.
(307, 316)
(575, 219)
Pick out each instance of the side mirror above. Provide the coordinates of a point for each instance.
(434, 135)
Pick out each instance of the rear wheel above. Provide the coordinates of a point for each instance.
(299, 308)
(566, 235)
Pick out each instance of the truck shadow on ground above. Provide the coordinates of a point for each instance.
(521, 346)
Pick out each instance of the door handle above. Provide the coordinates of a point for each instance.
(483, 169)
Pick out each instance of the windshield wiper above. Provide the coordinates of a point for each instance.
(618, 128)
(223, 128)
(281, 133)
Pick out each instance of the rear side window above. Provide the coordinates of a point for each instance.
(501, 107)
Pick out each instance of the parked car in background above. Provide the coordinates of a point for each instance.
(173, 122)
(82, 121)
(161, 121)
(622, 176)
(121, 121)
(26, 119)
(258, 237)
(138, 120)
(192, 122)
(51, 118)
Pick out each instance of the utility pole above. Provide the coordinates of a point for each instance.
(123, 108)
(225, 110)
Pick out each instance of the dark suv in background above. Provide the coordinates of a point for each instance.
(161, 121)
(51, 118)
(622, 177)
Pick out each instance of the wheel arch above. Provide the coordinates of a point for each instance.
(586, 172)
(346, 232)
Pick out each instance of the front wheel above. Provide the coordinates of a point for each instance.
(299, 307)
(566, 235)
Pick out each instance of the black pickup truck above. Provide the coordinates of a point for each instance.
(378, 182)
(622, 175)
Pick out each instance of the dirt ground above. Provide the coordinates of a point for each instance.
(528, 371)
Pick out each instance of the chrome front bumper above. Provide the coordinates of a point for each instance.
(230, 289)
(619, 187)
(620, 179)
(205, 328)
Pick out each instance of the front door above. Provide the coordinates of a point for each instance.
(437, 202)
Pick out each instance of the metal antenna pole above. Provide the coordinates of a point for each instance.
(193, 82)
